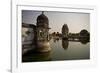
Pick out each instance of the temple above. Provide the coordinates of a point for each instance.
(65, 31)
(42, 28)
(38, 34)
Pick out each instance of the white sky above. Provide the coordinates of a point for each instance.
(75, 21)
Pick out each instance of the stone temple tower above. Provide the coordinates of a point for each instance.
(65, 31)
(42, 27)
(42, 33)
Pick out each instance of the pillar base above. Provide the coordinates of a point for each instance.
(43, 46)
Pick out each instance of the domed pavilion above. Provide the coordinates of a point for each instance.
(42, 27)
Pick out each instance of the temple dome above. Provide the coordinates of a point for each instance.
(65, 28)
(65, 31)
(42, 20)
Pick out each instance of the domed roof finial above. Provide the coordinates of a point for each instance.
(42, 20)
(42, 12)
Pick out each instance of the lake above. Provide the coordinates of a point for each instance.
(60, 50)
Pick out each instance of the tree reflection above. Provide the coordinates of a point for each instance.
(84, 40)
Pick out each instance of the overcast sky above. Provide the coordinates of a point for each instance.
(75, 21)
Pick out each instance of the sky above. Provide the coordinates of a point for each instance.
(75, 21)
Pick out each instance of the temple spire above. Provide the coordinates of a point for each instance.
(42, 12)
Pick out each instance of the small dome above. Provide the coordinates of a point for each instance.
(43, 17)
(42, 20)
(65, 26)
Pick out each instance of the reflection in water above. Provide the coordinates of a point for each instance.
(32, 56)
(84, 40)
(42, 46)
(55, 40)
(75, 51)
(65, 44)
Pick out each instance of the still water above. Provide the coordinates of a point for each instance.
(60, 50)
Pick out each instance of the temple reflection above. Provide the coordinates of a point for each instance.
(32, 56)
(65, 44)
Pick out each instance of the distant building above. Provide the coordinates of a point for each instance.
(65, 31)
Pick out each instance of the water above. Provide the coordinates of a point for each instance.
(61, 50)
(69, 50)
